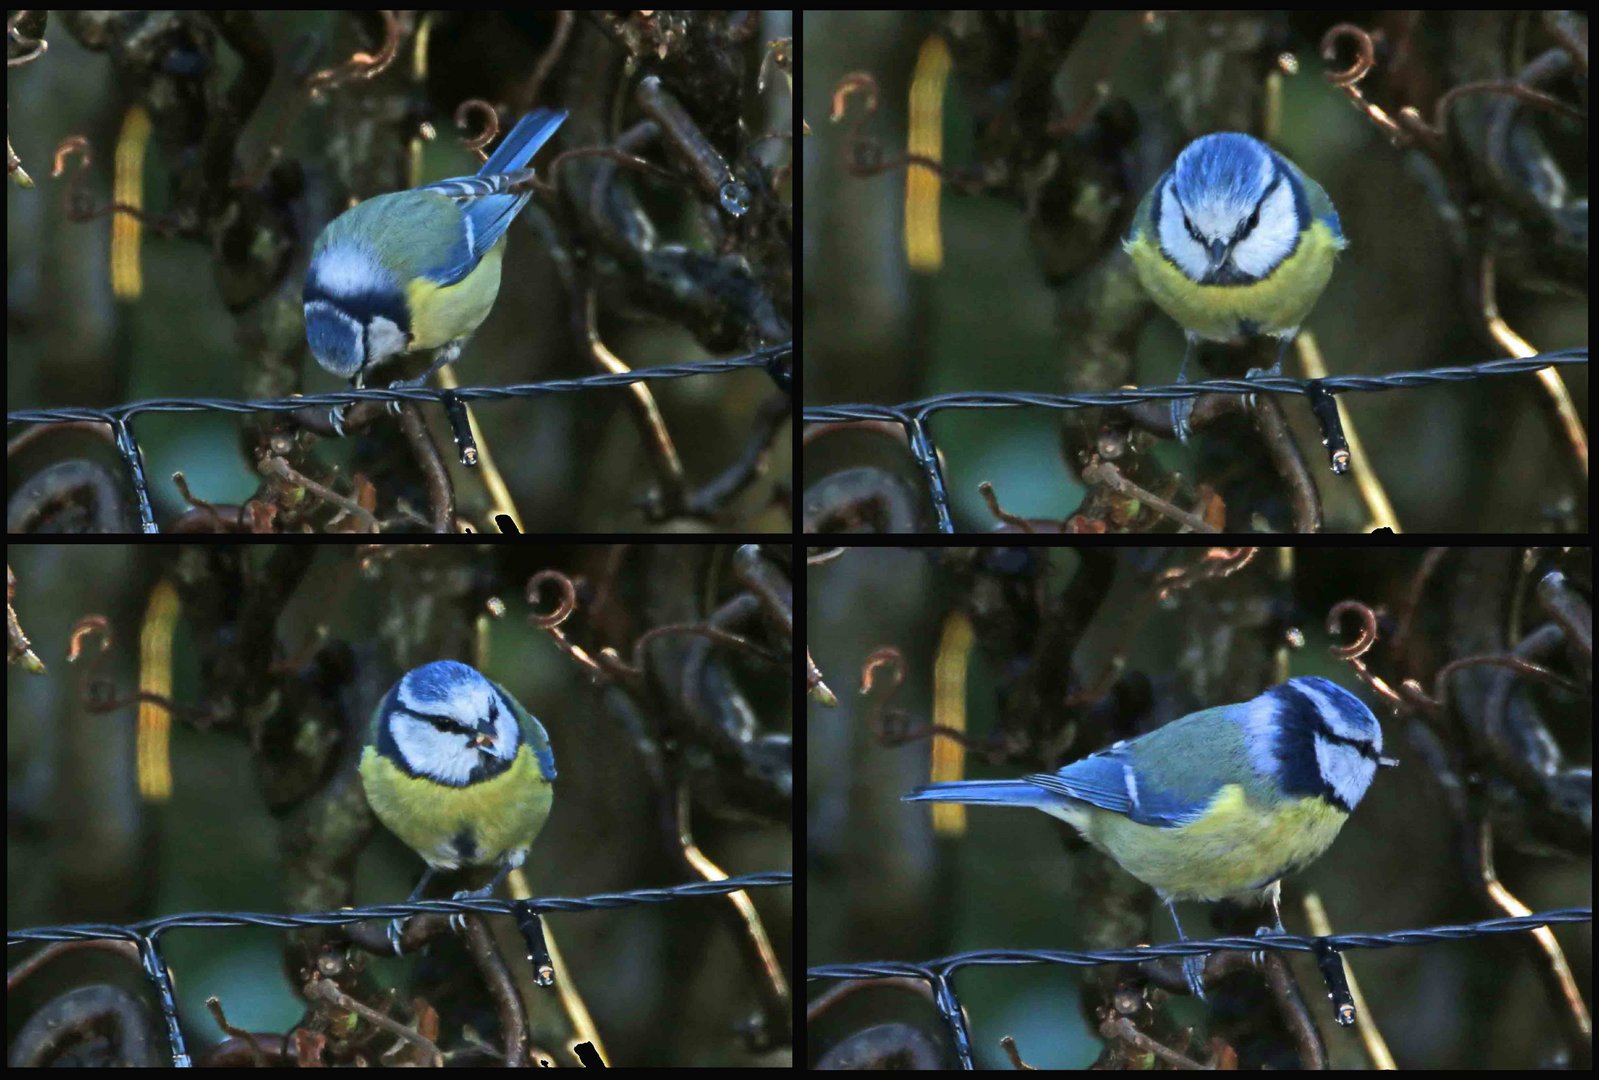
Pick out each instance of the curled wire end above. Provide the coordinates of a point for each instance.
(1367, 628)
(564, 608)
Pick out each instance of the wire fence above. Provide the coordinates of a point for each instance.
(775, 360)
(147, 934)
(913, 416)
(939, 972)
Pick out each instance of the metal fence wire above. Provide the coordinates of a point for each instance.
(938, 973)
(914, 416)
(775, 360)
(147, 935)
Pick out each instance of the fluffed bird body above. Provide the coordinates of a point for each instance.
(457, 769)
(1234, 242)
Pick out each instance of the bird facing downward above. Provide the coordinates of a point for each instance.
(417, 270)
(1234, 241)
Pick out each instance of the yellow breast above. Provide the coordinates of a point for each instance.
(1273, 306)
(1237, 847)
(451, 827)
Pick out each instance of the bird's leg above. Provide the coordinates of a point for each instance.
(445, 355)
(1276, 365)
(1193, 966)
(1275, 369)
(1274, 895)
(1183, 408)
(416, 894)
(336, 414)
(457, 921)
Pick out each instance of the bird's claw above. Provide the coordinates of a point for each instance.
(1258, 956)
(395, 929)
(1181, 410)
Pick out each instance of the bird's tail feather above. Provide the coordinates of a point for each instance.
(989, 792)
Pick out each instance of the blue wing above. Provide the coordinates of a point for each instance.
(485, 215)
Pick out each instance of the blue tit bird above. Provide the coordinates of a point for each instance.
(456, 768)
(417, 270)
(1234, 242)
(1220, 803)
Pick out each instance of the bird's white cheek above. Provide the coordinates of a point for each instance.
(1273, 238)
(385, 339)
(1175, 240)
(439, 755)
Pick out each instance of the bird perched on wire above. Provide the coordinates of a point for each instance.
(456, 768)
(418, 270)
(1220, 803)
(1234, 241)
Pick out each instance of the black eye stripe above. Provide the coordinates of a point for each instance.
(440, 719)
